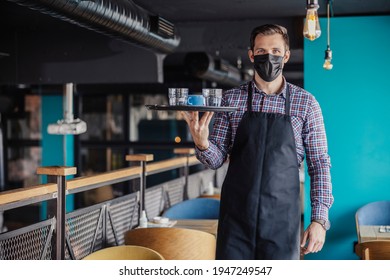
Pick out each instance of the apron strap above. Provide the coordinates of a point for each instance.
(287, 103)
(249, 106)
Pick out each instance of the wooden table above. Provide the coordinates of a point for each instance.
(203, 225)
(370, 233)
(215, 196)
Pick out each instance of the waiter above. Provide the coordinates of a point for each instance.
(266, 139)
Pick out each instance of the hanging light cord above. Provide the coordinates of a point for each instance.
(328, 8)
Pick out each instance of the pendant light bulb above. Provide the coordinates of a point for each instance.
(328, 52)
(328, 59)
(311, 29)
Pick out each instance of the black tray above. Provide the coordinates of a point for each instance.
(191, 108)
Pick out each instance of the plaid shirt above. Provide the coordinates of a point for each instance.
(309, 132)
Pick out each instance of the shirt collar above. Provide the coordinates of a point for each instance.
(282, 91)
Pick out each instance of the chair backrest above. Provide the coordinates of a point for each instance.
(374, 214)
(125, 253)
(373, 250)
(175, 243)
(197, 208)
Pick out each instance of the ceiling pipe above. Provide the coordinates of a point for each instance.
(117, 18)
(204, 66)
(68, 125)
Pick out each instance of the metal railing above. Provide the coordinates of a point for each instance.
(76, 234)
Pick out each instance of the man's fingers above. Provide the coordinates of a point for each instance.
(303, 243)
(314, 246)
(206, 118)
(318, 246)
(189, 117)
(209, 117)
(185, 116)
(310, 247)
(304, 239)
(195, 115)
(313, 239)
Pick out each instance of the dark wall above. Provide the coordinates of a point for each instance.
(71, 54)
(40, 49)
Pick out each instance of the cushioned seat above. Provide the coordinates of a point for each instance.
(198, 208)
(125, 253)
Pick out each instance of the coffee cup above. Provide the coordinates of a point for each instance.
(195, 100)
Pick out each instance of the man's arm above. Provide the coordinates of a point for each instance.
(211, 151)
(318, 161)
(218, 145)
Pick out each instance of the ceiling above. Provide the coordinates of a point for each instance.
(202, 11)
(222, 10)
(218, 27)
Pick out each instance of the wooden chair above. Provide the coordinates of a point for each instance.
(175, 243)
(125, 253)
(372, 214)
(373, 250)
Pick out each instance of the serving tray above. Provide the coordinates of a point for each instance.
(191, 108)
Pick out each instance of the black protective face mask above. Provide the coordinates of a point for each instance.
(268, 66)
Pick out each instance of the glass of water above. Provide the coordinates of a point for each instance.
(177, 96)
(213, 96)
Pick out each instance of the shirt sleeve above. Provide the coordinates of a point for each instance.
(219, 141)
(318, 162)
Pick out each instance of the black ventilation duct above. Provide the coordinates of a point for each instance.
(204, 66)
(117, 18)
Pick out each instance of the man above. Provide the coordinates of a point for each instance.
(266, 138)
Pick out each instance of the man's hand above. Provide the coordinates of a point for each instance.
(313, 239)
(199, 128)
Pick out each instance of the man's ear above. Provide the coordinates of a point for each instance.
(286, 56)
(251, 56)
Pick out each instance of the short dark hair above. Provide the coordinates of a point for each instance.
(269, 29)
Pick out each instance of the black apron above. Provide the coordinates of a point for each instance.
(260, 203)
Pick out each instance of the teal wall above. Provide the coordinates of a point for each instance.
(56, 149)
(355, 100)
